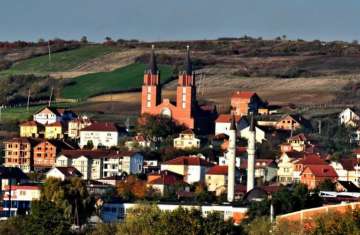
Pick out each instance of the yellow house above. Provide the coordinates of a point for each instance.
(186, 140)
(54, 131)
(286, 166)
(29, 129)
(216, 179)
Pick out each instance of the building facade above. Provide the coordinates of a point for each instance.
(18, 153)
(99, 134)
(186, 140)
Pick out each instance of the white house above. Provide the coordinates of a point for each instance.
(259, 134)
(349, 117)
(74, 126)
(193, 168)
(49, 115)
(97, 164)
(223, 122)
(63, 173)
(186, 140)
(100, 134)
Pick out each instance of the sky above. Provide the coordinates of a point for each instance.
(154, 20)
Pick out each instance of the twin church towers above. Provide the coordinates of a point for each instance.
(184, 110)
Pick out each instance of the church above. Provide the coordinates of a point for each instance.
(185, 110)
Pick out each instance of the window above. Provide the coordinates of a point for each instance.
(148, 104)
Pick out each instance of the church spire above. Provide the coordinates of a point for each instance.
(153, 69)
(188, 65)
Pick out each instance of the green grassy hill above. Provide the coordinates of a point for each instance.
(61, 61)
(122, 79)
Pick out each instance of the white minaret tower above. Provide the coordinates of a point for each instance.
(231, 161)
(251, 155)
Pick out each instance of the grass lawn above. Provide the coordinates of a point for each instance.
(60, 61)
(121, 79)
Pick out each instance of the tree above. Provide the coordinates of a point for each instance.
(131, 188)
(104, 229)
(259, 226)
(13, 225)
(327, 185)
(157, 128)
(84, 40)
(71, 196)
(89, 145)
(46, 219)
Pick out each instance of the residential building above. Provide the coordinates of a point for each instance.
(314, 175)
(29, 129)
(349, 117)
(243, 102)
(49, 115)
(301, 163)
(100, 134)
(292, 122)
(299, 142)
(259, 134)
(165, 181)
(97, 164)
(286, 166)
(112, 180)
(45, 152)
(265, 169)
(223, 123)
(348, 169)
(193, 168)
(21, 198)
(216, 179)
(54, 130)
(187, 140)
(18, 153)
(63, 173)
(77, 124)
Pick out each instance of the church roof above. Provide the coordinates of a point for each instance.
(153, 69)
(188, 64)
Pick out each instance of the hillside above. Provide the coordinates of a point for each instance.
(280, 70)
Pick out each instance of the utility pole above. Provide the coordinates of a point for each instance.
(320, 127)
(28, 101)
(49, 49)
(51, 94)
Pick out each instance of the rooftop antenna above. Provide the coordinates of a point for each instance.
(51, 94)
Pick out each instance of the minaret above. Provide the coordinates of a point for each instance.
(251, 155)
(231, 161)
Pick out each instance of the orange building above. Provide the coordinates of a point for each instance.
(185, 110)
(313, 175)
(44, 154)
(244, 101)
(18, 153)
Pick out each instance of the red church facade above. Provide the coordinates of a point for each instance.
(184, 110)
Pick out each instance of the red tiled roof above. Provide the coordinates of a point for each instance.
(188, 131)
(356, 151)
(218, 170)
(166, 180)
(96, 153)
(299, 137)
(322, 171)
(349, 163)
(311, 159)
(243, 94)
(188, 161)
(295, 154)
(226, 118)
(69, 171)
(28, 123)
(101, 126)
(58, 124)
(18, 140)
